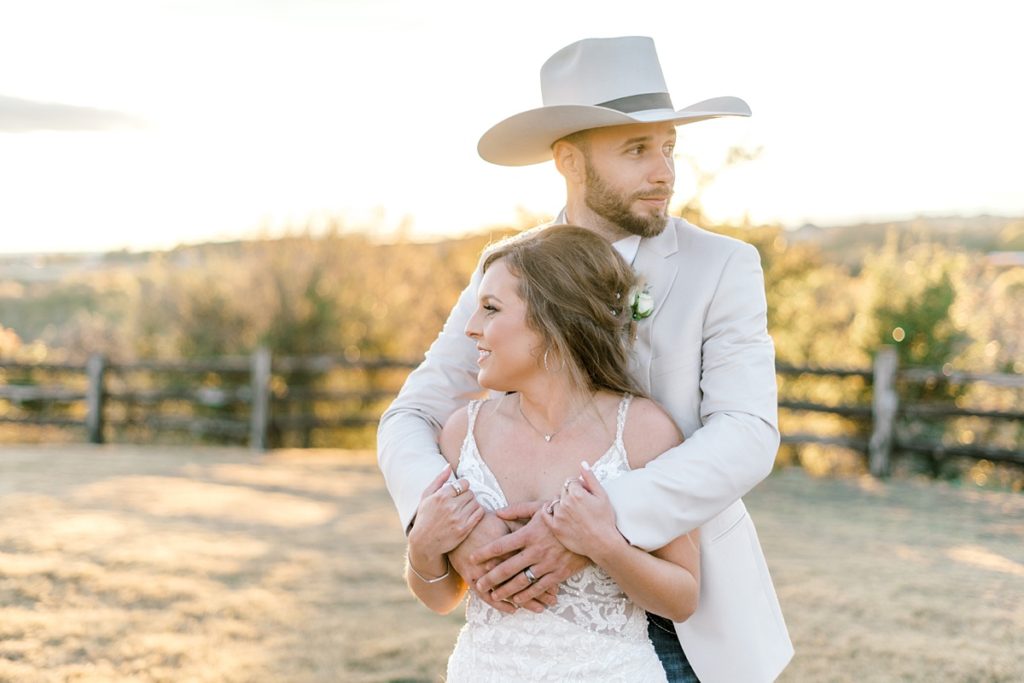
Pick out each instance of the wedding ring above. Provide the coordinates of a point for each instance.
(550, 507)
(457, 487)
(565, 486)
(528, 573)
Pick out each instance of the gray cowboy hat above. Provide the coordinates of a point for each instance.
(594, 83)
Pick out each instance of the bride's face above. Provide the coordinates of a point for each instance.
(509, 349)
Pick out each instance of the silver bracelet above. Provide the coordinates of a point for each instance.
(447, 571)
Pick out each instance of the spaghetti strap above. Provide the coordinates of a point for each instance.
(472, 410)
(620, 423)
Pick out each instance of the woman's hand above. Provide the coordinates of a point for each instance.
(447, 513)
(582, 517)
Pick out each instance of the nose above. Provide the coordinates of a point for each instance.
(472, 325)
(664, 169)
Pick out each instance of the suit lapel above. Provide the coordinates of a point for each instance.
(659, 272)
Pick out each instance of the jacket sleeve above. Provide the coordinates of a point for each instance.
(735, 446)
(407, 437)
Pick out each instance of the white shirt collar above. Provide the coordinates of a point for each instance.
(628, 247)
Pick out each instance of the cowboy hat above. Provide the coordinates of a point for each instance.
(594, 83)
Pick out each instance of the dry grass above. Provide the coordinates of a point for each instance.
(167, 564)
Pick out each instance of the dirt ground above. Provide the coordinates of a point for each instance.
(123, 563)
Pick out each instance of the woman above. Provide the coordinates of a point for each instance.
(553, 326)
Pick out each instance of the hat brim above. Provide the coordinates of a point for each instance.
(526, 138)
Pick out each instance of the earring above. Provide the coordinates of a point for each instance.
(547, 368)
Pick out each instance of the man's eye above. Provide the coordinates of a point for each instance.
(635, 151)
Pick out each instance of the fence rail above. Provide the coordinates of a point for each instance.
(887, 408)
(250, 398)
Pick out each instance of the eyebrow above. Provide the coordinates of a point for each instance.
(638, 139)
(633, 141)
(485, 297)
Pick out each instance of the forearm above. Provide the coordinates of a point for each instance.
(409, 457)
(657, 585)
(686, 486)
(421, 574)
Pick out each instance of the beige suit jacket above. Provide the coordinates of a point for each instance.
(706, 356)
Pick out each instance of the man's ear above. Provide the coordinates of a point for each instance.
(569, 161)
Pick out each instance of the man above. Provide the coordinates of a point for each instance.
(703, 353)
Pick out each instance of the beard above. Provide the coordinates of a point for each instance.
(614, 206)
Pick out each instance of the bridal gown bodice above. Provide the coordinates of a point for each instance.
(594, 632)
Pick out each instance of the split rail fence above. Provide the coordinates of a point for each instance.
(269, 401)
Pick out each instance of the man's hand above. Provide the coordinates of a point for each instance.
(533, 546)
(488, 529)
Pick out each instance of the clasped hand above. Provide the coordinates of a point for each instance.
(554, 543)
(492, 551)
(446, 515)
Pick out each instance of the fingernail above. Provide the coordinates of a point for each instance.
(585, 465)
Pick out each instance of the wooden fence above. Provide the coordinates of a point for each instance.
(259, 399)
(254, 399)
(887, 409)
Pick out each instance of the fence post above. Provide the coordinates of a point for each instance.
(94, 369)
(260, 414)
(884, 403)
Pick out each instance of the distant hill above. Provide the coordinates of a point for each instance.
(849, 243)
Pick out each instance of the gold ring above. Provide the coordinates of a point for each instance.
(457, 487)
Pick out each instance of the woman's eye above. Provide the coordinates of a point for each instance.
(490, 309)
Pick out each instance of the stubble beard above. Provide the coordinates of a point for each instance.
(615, 207)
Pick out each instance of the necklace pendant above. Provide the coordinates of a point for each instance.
(547, 437)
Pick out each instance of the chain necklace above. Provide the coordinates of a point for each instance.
(566, 423)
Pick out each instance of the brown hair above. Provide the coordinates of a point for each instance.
(576, 288)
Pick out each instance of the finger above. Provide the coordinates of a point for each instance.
(548, 598)
(439, 480)
(467, 503)
(504, 572)
(460, 486)
(524, 510)
(549, 507)
(552, 520)
(533, 605)
(513, 587)
(505, 607)
(589, 480)
(535, 591)
(509, 543)
(474, 518)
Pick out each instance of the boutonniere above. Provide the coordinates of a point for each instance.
(641, 302)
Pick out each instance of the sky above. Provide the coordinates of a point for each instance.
(138, 124)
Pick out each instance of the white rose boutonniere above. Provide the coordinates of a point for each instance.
(641, 302)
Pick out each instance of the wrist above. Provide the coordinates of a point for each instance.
(428, 569)
(607, 547)
(426, 560)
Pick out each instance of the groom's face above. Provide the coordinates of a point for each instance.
(630, 175)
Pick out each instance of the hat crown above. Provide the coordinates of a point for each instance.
(598, 70)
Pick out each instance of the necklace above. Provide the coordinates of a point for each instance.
(547, 437)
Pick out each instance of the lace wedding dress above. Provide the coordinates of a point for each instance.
(594, 633)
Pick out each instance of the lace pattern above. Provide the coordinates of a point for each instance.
(593, 632)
